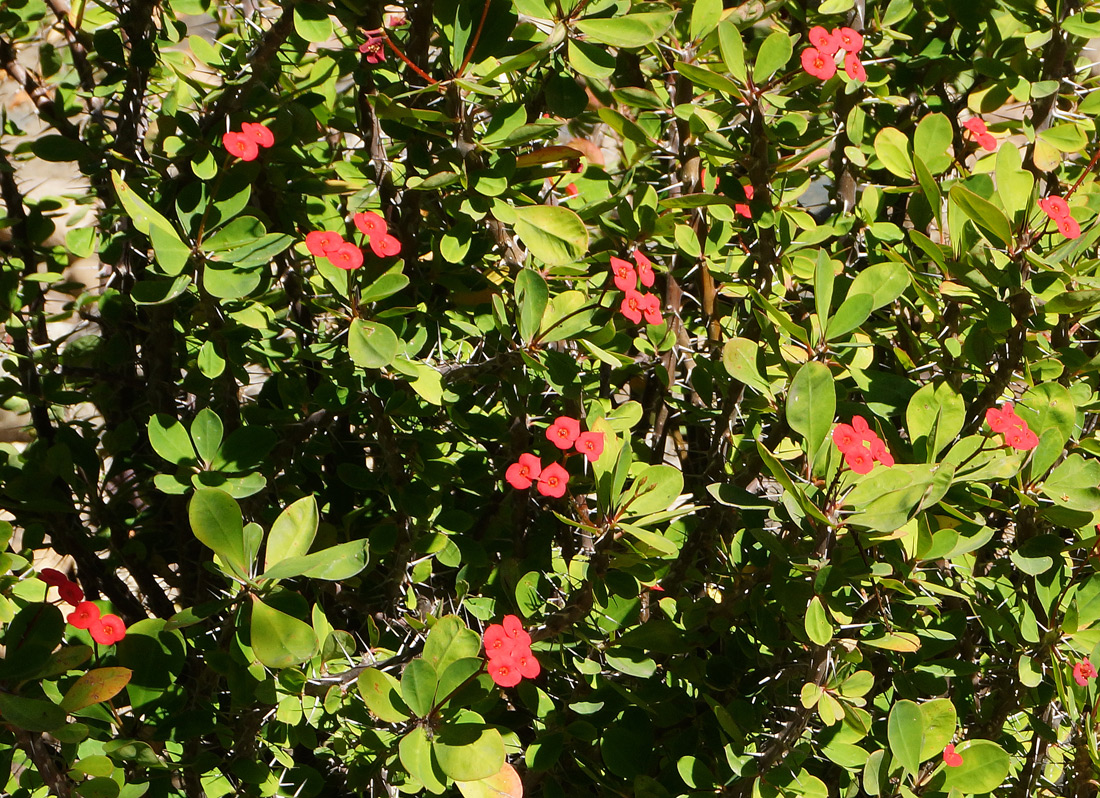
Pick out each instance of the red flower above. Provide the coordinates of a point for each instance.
(850, 40)
(1004, 419)
(827, 42)
(564, 432)
(82, 617)
(52, 577)
(552, 481)
(347, 256)
(859, 424)
(625, 277)
(742, 209)
(1021, 439)
(520, 475)
(373, 50)
(497, 642)
(572, 190)
(385, 245)
(1068, 227)
(107, 630)
(845, 437)
(322, 243)
(513, 629)
(818, 64)
(71, 592)
(950, 758)
(633, 306)
(987, 142)
(975, 125)
(370, 224)
(645, 268)
(749, 191)
(504, 671)
(854, 67)
(590, 444)
(859, 460)
(527, 664)
(1083, 671)
(1055, 207)
(244, 147)
(880, 453)
(258, 133)
(651, 309)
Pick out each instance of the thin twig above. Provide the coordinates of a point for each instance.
(477, 37)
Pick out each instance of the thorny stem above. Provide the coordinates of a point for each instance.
(1084, 174)
(405, 58)
(477, 36)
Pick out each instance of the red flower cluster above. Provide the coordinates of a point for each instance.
(742, 208)
(1058, 210)
(508, 648)
(70, 591)
(344, 254)
(1017, 435)
(105, 630)
(1083, 671)
(565, 433)
(819, 60)
(984, 137)
(950, 758)
(850, 440)
(376, 230)
(636, 304)
(246, 144)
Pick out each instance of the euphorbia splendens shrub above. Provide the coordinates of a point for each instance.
(563, 398)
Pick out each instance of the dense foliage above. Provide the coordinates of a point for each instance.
(560, 397)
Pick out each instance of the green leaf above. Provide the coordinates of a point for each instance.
(568, 314)
(773, 55)
(1073, 484)
(415, 752)
(206, 432)
(938, 722)
(1072, 303)
(701, 76)
(171, 253)
(531, 298)
(312, 23)
(817, 625)
(823, 286)
(884, 282)
(449, 640)
(30, 714)
(1067, 137)
(385, 286)
(905, 731)
(553, 234)
(853, 311)
(1014, 183)
(591, 60)
(811, 404)
(984, 767)
(94, 687)
(457, 674)
(333, 564)
(280, 640)
(170, 440)
(469, 751)
(217, 522)
(293, 532)
(987, 216)
(932, 140)
(381, 693)
(658, 486)
(935, 415)
(704, 17)
(371, 344)
(229, 281)
(739, 356)
(733, 49)
(630, 31)
(892, 148)
(141, 213)
(418, 684)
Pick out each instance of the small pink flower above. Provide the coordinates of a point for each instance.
(590, 444)
(520, 475)
(1069, 227)
(651, 309)
(987, 142)
(622, 271)
(859, 460)
(370, 223)
(244, 147)
(1083, 671)
(513, 628)
(83, 615)
(975, 125)
(827, 42)
(845, 437)
(321, 243)
(1055, 207)
(645, 268)
(552, 481)
(347, 256)
(385, 246)
(564, 432)
(527, 664)
(881, 453)
(742, 209)
(854, 68)
(818, 64)
(504, 671)
(633, 306)
(749, 191)
(950, 758)
(373, 50)
(107, 630)
(258, 133)
(71, 593)
(851, 41)
(1021, 439)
